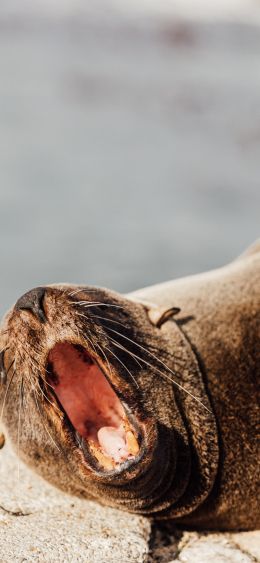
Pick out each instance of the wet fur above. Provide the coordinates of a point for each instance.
(191, 382)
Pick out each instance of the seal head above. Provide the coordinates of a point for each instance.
(104, 397)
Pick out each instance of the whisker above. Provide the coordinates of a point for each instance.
(84, 303)
(124, 349)
(33, 362)
(83, 288)
(88, 340)
(81, 315)
(29, 348)
(75, 292)
(42, 394)
(18, 437)
(37, 367)
(11, 364)
(5, 396)
(46, 430)
(104, 305)
(144, 349)
(106, 359)
(92, 315)
(118, 359)
(136, 357)
(22, 392)
(156, 369)
(89, 304)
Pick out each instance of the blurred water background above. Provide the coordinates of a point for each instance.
(129, 140)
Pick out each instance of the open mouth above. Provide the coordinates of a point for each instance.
(92, 407)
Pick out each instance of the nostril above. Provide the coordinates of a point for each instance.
(33, 301)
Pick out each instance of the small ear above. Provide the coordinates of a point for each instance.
(157, 315)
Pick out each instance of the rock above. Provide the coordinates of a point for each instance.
(39, 523)
(168, 544)
(248, 542)
(48, 526)
(202, 548)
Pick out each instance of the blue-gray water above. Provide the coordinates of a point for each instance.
(129, 151)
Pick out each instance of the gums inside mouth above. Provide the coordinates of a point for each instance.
(91, 405)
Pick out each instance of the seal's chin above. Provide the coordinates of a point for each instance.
(92, 408)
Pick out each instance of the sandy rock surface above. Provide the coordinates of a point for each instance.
(193, 547)
(38, 523)
(48, 526)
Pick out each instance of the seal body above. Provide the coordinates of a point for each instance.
(147, 402)
(222, 309)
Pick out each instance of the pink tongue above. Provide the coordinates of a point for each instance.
(112, 442)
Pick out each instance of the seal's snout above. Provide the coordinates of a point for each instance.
(72, 360)
(33, 301)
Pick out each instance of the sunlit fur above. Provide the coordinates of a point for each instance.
(188, 383)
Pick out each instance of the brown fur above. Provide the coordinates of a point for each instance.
(198, 460)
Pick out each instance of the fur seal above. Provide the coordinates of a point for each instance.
(147, 401)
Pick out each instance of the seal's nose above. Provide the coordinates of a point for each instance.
(33, 301)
